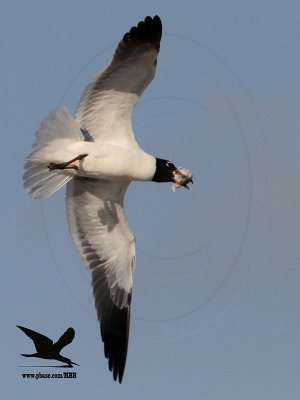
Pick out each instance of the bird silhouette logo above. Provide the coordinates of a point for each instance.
(45, 348)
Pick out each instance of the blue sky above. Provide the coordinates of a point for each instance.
(215, 311)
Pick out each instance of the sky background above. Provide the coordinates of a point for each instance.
(215, 310)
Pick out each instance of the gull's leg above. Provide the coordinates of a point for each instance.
(66, 165)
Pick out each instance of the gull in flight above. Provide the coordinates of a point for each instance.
(95, 153)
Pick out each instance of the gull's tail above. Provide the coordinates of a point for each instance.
(57, 131)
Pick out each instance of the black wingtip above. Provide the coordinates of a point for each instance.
(147, 31)
(115, 334)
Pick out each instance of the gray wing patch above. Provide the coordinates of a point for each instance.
(86, 135)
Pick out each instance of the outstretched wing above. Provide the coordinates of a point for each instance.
(40, 341)
(106, 105)
(65, 339)
(103, 238)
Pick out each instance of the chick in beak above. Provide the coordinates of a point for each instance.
(182, 177)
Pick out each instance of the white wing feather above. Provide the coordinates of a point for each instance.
(100, 231)
(106, 105)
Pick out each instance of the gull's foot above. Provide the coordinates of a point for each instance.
(66, 165)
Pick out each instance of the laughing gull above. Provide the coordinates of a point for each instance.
(97, 155)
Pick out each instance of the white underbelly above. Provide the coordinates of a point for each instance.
(106, 161)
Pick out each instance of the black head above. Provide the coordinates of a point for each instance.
(164, 171)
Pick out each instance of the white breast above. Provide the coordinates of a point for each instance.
(108, 161)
